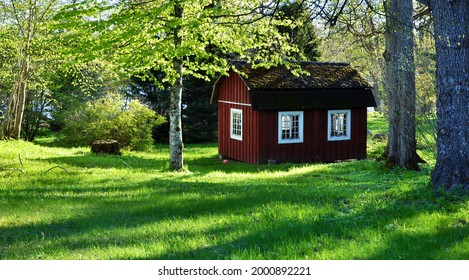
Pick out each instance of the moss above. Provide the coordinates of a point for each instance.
(321, 75)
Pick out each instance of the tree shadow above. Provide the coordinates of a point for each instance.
(266, 243)
(427, 246)
(213, 163)
(240, 218)
(103, 161)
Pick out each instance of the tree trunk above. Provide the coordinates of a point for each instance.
(451, 19)
(33, 115)
(22, 90)
(11, 125)
(399, 76)
(175, 124)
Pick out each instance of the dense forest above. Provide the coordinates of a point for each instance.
(99, 68)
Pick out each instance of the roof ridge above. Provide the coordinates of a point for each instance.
(332, 63)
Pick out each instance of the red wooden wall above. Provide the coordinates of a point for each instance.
(315, 146)
(234, 94)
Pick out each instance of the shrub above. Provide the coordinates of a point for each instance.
(111, 118)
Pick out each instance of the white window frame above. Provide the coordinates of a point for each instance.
(348, 127)
(300, 127)
(232, 131)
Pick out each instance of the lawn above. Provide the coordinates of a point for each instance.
(72, 204)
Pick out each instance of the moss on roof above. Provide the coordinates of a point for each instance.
(321, 75)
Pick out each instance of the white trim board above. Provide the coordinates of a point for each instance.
(234, 103)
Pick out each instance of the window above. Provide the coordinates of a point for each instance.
(290, 127)
(236, 124)
(339, 125)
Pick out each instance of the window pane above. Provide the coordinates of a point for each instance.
(236, 124)
(338, 124)
(290, 128)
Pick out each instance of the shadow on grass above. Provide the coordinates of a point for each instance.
(51, 140)
(212, 163)
(238, 219)
(426, 246)
(281, 237)
(103, 161)
(128, 161)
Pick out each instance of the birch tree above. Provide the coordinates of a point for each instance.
(175, 37)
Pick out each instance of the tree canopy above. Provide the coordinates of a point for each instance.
(176, 38)
(139, 35)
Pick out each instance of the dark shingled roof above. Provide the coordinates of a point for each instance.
(321, 75)
(329, 86)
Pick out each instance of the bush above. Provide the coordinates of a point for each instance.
(111, 118)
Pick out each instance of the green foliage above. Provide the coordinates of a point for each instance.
(176, 38)
(75, 85)
(357, 38)
(139, 36)
(111, 118)
(302, 34)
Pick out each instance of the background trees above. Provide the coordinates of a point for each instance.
(24, 29)
(302, 34)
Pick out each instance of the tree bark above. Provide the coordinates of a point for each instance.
(11, 125)
(451, 20)
(399, 74)
(175, 124)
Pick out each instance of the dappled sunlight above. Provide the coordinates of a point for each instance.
(132, 207)
(269, 174)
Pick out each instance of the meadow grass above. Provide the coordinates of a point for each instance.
(131, 207)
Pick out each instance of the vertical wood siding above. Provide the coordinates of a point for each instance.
(233, 89)
(315, 146)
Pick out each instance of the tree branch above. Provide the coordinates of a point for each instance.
(14, 169)
(58, 166)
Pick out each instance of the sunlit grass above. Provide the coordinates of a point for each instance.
(130, 207)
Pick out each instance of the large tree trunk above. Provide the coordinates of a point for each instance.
(175, 124)
(451, 19)
(399, 76)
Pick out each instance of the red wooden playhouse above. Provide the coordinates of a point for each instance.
(270, 115)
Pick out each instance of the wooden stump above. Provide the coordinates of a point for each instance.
(108, 146)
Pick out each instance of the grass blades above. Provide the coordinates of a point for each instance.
(72, 204)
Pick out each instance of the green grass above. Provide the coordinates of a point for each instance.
(131, 207)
